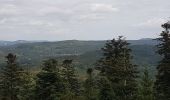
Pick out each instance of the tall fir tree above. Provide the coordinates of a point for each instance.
(71, 81)
(116, 65)
(11, 79)
(162, 84)
(49, 85)
(105, 90)
(145, 89)
(90, 92)
(27, 91)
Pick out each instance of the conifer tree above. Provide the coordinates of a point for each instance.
(162, 84)
(106, 91)
(90, 86)
(71, 81)
(27, 91)
(49, 83)
(11, 79)
(145, 90)
(116, 65)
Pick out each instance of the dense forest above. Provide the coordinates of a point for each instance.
(115, 70)
(84, 53)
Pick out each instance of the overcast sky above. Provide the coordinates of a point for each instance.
(81, 19)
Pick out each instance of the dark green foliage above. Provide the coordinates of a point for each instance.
(49, 84)
(11, 80)
(90, 91)
(145, 89)
(117, 74)
(116, 65)
(162, 84)
(106, 91)
(27, 90)
(84, 53)
(70, 78)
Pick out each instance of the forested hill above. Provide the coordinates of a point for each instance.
(84, 53)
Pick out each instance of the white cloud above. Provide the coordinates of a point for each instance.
(92, 11)
(89, 17)
(9, 20)
(53, 10)
(8, 9)
(103, 8)
(154, 22)
(40, 23)
(80, 17)
(2, 21)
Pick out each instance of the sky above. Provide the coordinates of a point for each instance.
(81, 19)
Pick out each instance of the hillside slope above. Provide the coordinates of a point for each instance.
(84, 53)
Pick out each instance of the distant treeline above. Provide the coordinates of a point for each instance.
(115, 76)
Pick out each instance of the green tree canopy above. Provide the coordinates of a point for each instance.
(11, 79)
(117, 66)
(162, 84)
(49, 85)
(145, 90)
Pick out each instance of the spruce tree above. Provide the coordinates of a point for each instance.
(117, 66)
(162, 84)
(11, 79)
(90, 86)
(71, 81)
(27, 91)
(49, 83)
(105, 90)
(145, 89)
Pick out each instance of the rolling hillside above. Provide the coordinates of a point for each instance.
(84, 53)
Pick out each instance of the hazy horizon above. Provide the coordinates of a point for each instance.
(73, 40)
(56, 20)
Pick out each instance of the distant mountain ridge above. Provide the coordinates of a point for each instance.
(9, 43)
(148, 41)
(84, 53)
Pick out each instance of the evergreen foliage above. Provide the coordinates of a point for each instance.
(106, 91)
(116, 77)
(49, 85)
(90, 86)
(117, 67)
(145, 90)
(72, 84)
(162, 84)
(28, 88)
(11, 80)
